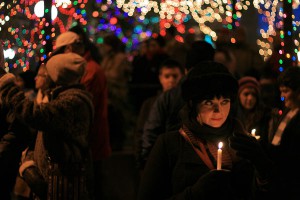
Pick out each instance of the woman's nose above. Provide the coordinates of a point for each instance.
(216, 108)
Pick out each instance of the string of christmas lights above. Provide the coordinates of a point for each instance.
(204, 12)
(273, 15)
(23, 32)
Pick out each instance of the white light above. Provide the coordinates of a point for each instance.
(63, 3)
(9, 53)
(39, 10)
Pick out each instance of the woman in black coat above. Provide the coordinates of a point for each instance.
(182, 164)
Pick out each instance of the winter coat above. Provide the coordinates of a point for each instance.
(175, 171)
(285, 156)
(61, 151)
(14, 137)
(96, 83)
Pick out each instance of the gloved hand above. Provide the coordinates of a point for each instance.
(35, 181)
(212, 185)
(249, 148)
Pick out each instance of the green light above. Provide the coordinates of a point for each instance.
(43, 32)
(281, 36)
(234, 16)
(100, 40)
(42, 50)
(75, 3)
(296, 50)
(280, 61)
(83, 12)
(229, 26)
(46, 10)
(289, 1)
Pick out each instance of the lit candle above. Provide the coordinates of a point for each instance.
(253, 131)
(219, 158)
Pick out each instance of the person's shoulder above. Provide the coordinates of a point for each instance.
(171, 137)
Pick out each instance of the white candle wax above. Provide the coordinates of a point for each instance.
(219, 157)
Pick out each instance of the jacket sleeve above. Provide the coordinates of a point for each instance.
(154, 125)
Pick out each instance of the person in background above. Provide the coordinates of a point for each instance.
(163, 116)
(175, 49)
(276, 167)
(14, 137)
(226, 57)
(117, 70)
(95, 82)
(61, 149)
(25, 80)
(251, 111)
(170, 73)
(182, 164)
(144, 80)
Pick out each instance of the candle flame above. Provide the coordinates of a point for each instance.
(220, 145)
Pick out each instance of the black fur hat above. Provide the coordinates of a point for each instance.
(207, 80)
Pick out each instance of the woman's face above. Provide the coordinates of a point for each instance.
(248, 98)
(287, 94)
(41, 79)
(213, 112)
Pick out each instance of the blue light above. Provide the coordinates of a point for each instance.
(282, 98)
(281, 69)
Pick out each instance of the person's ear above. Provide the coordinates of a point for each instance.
(68, 49)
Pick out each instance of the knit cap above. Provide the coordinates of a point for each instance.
(66, 69)
(208, 78)
(249, 81)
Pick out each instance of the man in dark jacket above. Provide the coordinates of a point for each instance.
(164, 114)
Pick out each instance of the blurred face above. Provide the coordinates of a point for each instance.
(77, 47)
(213, 112)
(153, 46)
(169, 77)
(248, 98)
(287, 93)
(41, 79)
(19, 82)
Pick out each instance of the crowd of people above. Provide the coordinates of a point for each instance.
(175, 102)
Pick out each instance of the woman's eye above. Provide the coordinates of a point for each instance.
(225, 101)
(208, 103)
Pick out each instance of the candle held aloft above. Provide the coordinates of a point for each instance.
(219, 157)
(253, 131)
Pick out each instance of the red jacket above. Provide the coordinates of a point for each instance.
(95, 82)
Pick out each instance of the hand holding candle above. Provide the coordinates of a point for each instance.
(253, 131)
(219, 157)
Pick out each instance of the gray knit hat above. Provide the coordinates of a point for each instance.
(66, 69)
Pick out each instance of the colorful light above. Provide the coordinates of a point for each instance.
(27, 41)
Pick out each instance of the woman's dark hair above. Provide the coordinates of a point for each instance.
(290, 78)
(113, 41)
